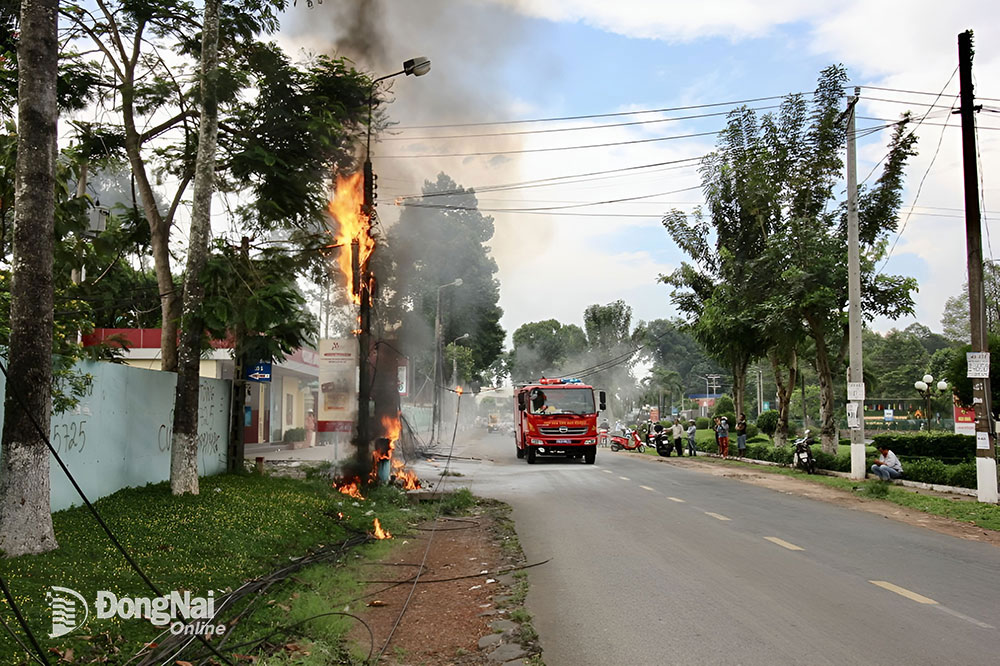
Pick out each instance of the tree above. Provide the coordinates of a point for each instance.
(438, 238)
(962, 384)
(25, 518)
(611, 342)
(184, 447)
(955, 319)
(542, 348)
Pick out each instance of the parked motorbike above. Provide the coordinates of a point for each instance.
(803, 457)
(630, 442)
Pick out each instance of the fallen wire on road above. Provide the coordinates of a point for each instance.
(499, 572)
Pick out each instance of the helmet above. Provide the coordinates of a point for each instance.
(725, 420)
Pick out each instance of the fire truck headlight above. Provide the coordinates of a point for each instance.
(590, 441)
(537, 441)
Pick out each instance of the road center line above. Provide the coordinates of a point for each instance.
(783, 543)
(676, 499)
(607, 471)
(652, 490)
(965, 617)
(624, 478)
(902, 591)
(717, 516)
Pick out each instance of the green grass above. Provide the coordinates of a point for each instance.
(982, 515)
(238, 528)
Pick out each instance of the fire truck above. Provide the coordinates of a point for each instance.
(556, 417)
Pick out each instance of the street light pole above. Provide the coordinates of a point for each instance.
(926, 388)
(417, 67)
(438, 370)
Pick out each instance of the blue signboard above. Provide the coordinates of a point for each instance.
(260, 372)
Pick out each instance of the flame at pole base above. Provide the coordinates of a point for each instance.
(379, 532)
(351, 488)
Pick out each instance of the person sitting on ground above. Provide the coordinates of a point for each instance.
(887, 466)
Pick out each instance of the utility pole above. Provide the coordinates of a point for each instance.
(855, 372)
(986, 462)
(760, 391)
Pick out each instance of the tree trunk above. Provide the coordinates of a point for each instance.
(739, 385)
(25, 517)
(784, 393)
(159, 229)
(184, 448)
(828, 425)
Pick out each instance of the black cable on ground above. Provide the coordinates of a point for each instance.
(97, 516)
(468, 576)
(41, 658)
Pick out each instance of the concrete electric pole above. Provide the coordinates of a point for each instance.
(855, 380)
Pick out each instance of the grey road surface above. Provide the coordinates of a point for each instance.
(658, 564)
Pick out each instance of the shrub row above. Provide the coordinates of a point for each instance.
(941, 445)
(930, 470)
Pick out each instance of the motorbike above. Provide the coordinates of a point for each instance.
(803, 457)
(630, 441)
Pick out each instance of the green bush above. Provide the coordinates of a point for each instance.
(767, 422)
(963, 475)
(752, 431)
(703, 423)
(927, 470)
(724, 406)
(294, 435)
(944, 446)
(831, 462)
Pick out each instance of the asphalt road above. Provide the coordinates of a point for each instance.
(657, 564)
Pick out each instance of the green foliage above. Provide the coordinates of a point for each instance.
(294, 435)
(962, 384)
(944, 446)
(926, 470)
(542, 348)
(458, 502)
(724, 406)
(838, 463)
(752, 431)
(963, 475)
(875, 489)
(703, 423)
(767, 422)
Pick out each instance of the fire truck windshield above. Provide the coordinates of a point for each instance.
(559, 400)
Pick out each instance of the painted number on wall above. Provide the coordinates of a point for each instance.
(70, 436)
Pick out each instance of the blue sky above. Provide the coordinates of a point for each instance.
(506, 60)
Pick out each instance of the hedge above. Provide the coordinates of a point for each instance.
(943, 446)
(703, 423)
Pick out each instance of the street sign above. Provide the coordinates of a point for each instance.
(260, 372)
(855, 391)
(979, 365)
(853, 416)
(888, 415)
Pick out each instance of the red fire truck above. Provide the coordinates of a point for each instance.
(556, 417)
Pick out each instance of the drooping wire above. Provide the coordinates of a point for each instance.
(41, 658)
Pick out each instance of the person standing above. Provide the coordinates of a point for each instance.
(741, 435)
(692, 430)
(723, 433)
(715, 428)
(677, 432)
(887, 466)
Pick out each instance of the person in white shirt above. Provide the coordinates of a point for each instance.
(887, 466)
(692, 430)
(677, 433)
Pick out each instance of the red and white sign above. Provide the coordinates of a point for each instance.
(338, 384)
(965, 421)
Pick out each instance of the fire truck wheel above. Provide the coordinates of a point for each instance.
(520, 451)
(590, 455)
(531, 455)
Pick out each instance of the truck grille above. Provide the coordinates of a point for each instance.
(564, 431)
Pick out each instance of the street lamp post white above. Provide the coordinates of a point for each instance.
(925, 387)
(438, 370)
(417, 67)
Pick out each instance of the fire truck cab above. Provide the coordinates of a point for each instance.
(556, 417)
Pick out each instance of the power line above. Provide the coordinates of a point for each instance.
(603, 115)
(550, 208)
(922, 92)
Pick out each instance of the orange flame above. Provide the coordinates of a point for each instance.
(392, 427)
(351, 224)
(351, 488)
(379, 532)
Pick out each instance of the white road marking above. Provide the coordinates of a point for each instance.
(902, 591)
(783, 543)
(607, 471)
(676, 499)
(717, 516)
(624, 478)
(965, 617)
(652, 490)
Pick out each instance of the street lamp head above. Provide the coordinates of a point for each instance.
(462, 337)
(942, 385)
(928, 379)
(417, 66)
(457, 282)
(920, 386)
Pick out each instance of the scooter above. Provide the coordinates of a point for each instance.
(803, 457)
(630, 442)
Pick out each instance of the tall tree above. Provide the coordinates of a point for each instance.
(542, 348)
(439, 238)
(25, 519)
(184, 447)
(955, 318)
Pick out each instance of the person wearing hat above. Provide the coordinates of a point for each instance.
(691, 431)
(724, 437)
(887, 466)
